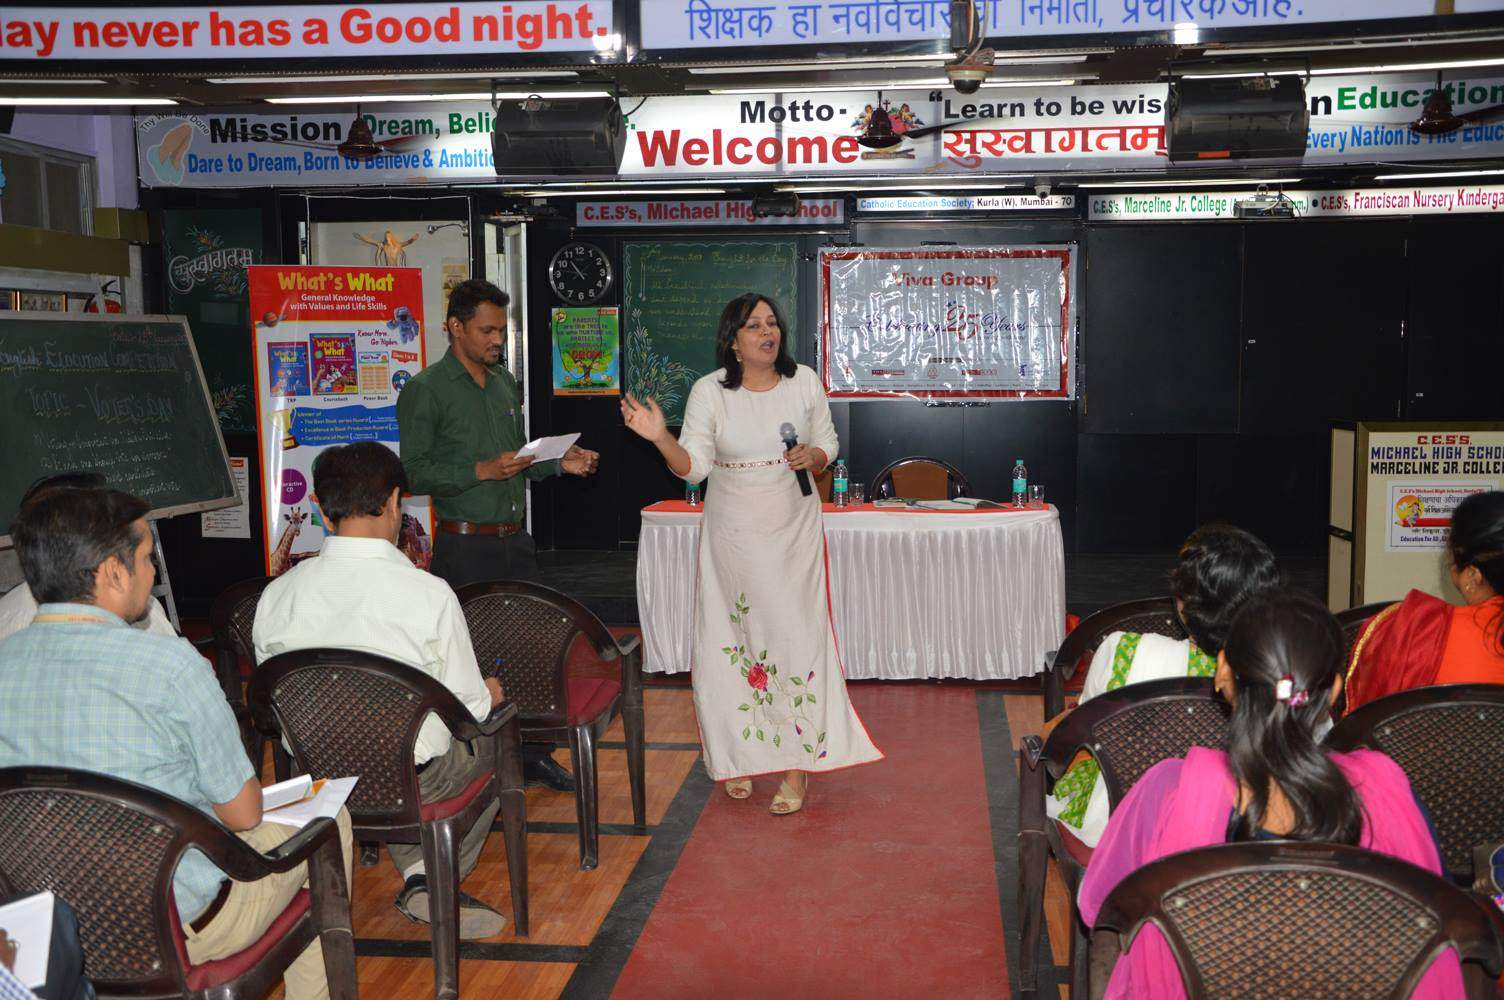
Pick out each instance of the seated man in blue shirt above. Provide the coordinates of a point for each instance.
(81, 689)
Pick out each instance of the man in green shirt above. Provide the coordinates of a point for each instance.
(460, 422)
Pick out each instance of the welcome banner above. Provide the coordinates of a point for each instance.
(334, 347)
(1354, 119)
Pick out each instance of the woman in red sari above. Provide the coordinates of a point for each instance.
(1423, 640)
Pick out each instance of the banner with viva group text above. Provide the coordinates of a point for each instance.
(948, 323)
(334, 347)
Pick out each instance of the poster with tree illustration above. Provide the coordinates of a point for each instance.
(207, 251)
(672, 296)
(587, 351)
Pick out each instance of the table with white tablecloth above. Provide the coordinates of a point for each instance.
(914, 594)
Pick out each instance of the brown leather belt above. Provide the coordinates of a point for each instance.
(469, 528)
(218, 903)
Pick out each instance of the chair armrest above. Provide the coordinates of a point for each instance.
(628, 644)
(203, 643)
(245, 864)
(468, 729)
(1030, 749)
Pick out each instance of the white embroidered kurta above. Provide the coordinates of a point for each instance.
(769, 692)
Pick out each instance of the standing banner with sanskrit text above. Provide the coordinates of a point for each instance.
(334, 347)
(994, 322)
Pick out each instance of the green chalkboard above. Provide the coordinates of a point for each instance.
(119, 395)
(674, 293)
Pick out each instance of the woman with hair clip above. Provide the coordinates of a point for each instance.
(769, 693)
(1424, 640)
(1280, 670)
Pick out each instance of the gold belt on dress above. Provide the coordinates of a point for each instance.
(750, 465)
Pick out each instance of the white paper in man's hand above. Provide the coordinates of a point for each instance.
(328, 797)
(28, 924)
(548, 449)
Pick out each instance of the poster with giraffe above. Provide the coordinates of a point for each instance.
(333, 346)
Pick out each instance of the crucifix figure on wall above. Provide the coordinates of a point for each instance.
(389, 250)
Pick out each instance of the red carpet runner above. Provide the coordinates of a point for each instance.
(882, 886)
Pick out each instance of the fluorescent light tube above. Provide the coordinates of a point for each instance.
(556, 193)
(88, 102)
(1449, 173)
(1219, 181)
(549, 74)
(433, 98)
(884, 85)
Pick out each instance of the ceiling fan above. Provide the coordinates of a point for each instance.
(1438, 118)
(880, 134)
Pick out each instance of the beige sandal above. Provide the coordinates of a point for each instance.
(739, 788)
(789, 801)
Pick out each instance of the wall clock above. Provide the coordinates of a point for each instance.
(579, 273)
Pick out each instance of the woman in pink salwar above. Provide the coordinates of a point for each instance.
(1280, 670)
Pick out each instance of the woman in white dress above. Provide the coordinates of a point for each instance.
(769, 693)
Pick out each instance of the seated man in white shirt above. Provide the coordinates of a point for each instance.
(18, 607)
(362, 593)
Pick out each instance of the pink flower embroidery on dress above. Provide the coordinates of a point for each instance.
(777, 701)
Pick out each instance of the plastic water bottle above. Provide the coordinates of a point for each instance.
(838, 488)
(692, 493)
(1020, 483)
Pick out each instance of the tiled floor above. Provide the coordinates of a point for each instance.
(898, 877)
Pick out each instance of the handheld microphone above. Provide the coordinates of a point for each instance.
(790, 438)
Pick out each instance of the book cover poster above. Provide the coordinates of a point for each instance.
(288, 365)
(334, 365)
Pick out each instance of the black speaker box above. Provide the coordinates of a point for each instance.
(1246, 118)
(540, 137)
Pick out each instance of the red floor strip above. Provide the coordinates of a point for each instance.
(882, 886)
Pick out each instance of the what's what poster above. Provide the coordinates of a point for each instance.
(333, 348)
(587, 351)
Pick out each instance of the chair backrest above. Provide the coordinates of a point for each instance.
(1135, 727)
(1353, 619)
(919, 478)
(1450, 742)
(233, 614)
(1284, 918)
(109, 848)
(1149, 615)
(348, 713)
(523, 634)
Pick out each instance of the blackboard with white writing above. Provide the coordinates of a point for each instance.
(119, 395)
(673, 296)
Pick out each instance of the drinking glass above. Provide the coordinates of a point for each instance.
(857, 493)
(1036, 495)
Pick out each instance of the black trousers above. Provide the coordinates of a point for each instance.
(463, 559)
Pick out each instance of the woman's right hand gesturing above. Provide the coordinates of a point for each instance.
(644, 417)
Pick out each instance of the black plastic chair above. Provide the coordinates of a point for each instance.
(1151, 615)
(917, 477)
(1450, 741)
(1353, 619)
(109, 847)
(523, 634)
(1127, 731)
(349, 713)
(1284, 918)
(232, 616)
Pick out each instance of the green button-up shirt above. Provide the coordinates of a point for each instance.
(448, 423)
